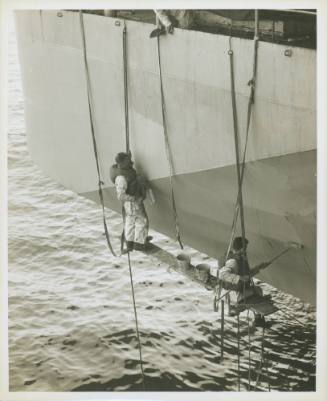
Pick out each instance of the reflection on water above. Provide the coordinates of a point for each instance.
(71, 322)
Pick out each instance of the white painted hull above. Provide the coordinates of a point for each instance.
(280, 184)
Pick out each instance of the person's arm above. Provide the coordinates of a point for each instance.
(229, 279)
(121, 187)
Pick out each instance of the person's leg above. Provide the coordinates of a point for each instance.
(141, 226)
(129, 226)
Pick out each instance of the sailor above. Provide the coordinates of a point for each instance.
(175, 18)
(131, 191)
(236, 275)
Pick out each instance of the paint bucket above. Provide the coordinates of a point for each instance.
(202, 272)
(183, 261)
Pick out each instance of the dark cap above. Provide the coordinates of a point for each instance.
(121, 156)
(238, 243)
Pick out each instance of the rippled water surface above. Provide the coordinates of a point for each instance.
(71, 321)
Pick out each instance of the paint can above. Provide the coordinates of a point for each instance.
(202, 272)
(183, 261)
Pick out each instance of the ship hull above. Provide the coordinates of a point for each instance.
(279, 186)
(273, 189)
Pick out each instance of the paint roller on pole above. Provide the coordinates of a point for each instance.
(291, 245)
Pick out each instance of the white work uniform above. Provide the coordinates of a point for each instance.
(229, 275)
(136, 223)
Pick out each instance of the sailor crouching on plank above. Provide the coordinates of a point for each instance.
(236, 275)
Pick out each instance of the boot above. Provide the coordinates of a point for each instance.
(129, 247)
(140, 247)
(259, 321)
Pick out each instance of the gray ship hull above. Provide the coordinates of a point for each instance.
(280, 179)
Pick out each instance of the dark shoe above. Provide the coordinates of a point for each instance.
(259, 321)
(129, 247)
(233, 311)
(140, 247)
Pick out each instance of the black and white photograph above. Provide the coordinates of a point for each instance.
(162, 192)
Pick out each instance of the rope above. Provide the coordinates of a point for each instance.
(249, 355)
(292, 317)
(136, 321)
(236, 135)
(126, 89)
(89, 98)
(238, 354)
(168, 151)
(261, 358)
(248, 119)
(123, 210)
(267, 372)
(236, 143)
(122, 237)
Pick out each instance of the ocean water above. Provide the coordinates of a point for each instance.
(71, 320)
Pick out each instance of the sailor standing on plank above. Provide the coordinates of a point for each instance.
(131, 191)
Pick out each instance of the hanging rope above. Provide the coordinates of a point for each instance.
(126, 89)
(236, 143)
(168, 151)
(261, 358)
(240, 167)
(249, 355)
(126, 115)
(251, 83)
(89, 98)
(238, 354)
(127, 143)
(236, 140)
(267, 372)
(136, 321)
